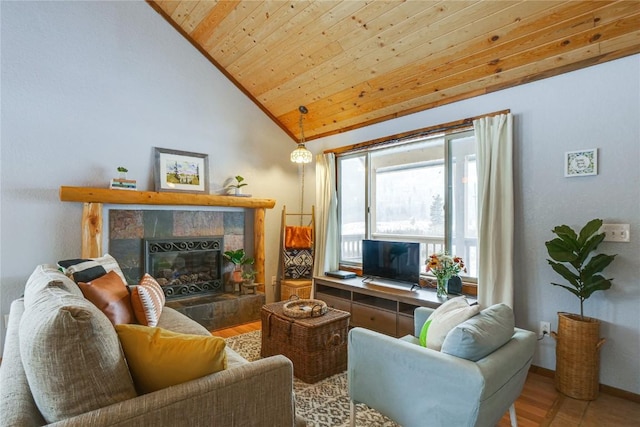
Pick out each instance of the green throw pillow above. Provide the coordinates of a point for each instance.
(423, 333)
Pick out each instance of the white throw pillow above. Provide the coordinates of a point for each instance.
(446, 317)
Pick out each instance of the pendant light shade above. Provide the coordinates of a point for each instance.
(301, 154)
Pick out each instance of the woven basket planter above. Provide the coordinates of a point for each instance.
(578, 356)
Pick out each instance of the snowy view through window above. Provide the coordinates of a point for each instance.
(407, 186)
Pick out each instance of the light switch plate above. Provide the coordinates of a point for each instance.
(615, 232)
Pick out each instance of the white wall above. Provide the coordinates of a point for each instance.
(598, 107)
(89, 86)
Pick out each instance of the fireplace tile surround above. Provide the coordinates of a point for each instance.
(128, 229)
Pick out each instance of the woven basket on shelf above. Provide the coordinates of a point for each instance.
(578, 356)
(298, 287)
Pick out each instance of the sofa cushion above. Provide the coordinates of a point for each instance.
(445, 318)
(175, 321)
(88, 269)
(159, 358)
(147, 300)
(42, 276)
(110, 294)
(481, 335)
(71, 354)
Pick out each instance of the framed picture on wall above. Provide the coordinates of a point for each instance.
(581, 163)
(181, 171)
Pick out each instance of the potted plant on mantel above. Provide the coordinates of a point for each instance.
(239, 259)
(578, 337)
(237, 187)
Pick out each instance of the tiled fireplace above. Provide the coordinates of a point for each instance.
(128, 230)
(196, 282)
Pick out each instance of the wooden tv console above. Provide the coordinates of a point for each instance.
(382, 307)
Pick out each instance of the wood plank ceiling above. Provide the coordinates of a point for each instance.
(354, 63)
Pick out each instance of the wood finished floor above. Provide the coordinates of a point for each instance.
(540, 404)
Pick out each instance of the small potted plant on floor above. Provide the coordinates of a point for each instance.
(578, 337)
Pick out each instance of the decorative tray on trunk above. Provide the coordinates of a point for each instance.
(302, 308)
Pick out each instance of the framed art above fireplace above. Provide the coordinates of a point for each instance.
(181, 171)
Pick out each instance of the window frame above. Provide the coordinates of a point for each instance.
(365, 152)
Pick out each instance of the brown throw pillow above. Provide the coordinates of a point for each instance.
(111, 296)
(147, 300)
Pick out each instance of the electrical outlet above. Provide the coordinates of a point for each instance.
(544, 329)
(615, 232)
(274, 281)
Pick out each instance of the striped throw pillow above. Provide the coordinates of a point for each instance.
(88, 269)
(147, 300)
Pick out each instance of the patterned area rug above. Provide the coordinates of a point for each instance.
(323, 404)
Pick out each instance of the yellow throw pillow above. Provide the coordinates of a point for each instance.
(159, 358)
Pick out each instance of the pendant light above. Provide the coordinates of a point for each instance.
(301, 154)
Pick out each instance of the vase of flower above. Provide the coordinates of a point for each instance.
(441, 286)
(444, 266)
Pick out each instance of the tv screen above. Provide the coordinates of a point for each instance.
(391, 260)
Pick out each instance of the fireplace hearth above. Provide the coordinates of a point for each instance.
(185, 267)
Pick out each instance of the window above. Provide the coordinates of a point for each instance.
(423, 190)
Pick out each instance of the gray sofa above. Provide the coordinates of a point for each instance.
(79, 377)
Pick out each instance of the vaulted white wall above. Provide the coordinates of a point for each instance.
(597, 107)
(90, 86)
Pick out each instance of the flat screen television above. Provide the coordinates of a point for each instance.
(398, 261)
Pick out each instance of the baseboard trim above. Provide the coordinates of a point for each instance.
(623, 394)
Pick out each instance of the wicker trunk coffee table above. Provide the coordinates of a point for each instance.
(317, 346)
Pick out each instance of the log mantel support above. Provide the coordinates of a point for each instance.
(93, 200)
(92, 230)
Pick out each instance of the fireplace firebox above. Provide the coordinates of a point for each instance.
(185, 267)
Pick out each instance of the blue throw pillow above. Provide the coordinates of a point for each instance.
(482, 334)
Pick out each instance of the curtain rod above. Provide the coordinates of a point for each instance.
(405, 136)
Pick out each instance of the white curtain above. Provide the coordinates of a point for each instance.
(326, 256)
(494, 139)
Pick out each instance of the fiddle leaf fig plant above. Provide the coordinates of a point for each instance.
(572, 258)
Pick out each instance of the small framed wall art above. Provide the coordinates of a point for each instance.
(181, 171)
(581, 163)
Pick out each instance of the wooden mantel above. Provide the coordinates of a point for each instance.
(94, 198)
